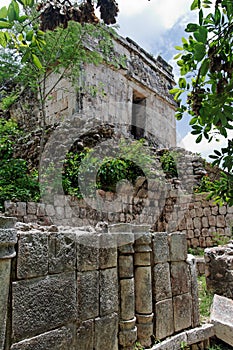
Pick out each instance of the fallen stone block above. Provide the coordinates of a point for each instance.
(222, 318)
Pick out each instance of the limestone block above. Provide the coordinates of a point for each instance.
(164, 319)
(198, 334)
(172, 343)
(128, 338)
(194, 289)
(197, 222)
(87, 251)
(221, 317)
(221, 221)
(127, 297)
(182, 305)
(32, 259)
(57, 339)
(21, 209)
(88, 294)
(143, 290)
(145, 329)
(85, 336)
(161, 282)
(142, 259)
(108, 291)
(39, 305)
(62, 252)
(178, 246)
(50, 211)
(125, 266)
(106, 330)
(180, 278)
(40, 209)
(160, 247)
(31, 208)
(107, 251)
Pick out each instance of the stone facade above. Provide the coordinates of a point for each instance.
(85, 288)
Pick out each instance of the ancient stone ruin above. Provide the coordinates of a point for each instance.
(106, 273)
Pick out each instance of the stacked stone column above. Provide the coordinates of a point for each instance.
(127, 325)
(8, 240)
(143, 285)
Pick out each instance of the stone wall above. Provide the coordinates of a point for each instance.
(204, 223)
(103, 288)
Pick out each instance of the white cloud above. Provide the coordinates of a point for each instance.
(204, 148)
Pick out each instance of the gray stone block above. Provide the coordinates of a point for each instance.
(106, 329)
(108, 291)
(127, 299)
(32, 259)
(199, 334)
(178, 246)
(125, 264)
(221, 317)
(180, 278)
(164, 319)
(161, 282)
(182, 305)
(40, 305)
(107, 251)
(59, 339)
(87, 251)
(88, 295)
(85, 336)
(160, 247)
(172, 343)
(62, 252)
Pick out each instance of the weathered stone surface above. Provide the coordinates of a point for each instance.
(87, 251)
(164, 319)
(32, 258)
(161, 282)
(194, 290)
(143, 290)
(62, 252)
(125, 265)
(59, 339)
(145, 329)
(172, 343)
(199, 334)
(88, 294)
(180, 278)
(5, 271)
(221, 317)
(106, 329)
(127, 296)
(182, 305)
(178, 246)
(85, 336)
(107, 251)
(108, 291)
(40, 305)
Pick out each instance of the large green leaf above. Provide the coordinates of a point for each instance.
(5, 25)
(3, 12)
(36, 61)
(13, 11)
(199, 51)
(3, 39)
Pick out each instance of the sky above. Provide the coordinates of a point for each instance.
(157, 26)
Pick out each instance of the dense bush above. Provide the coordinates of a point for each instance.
(15, 181)
(132, 159)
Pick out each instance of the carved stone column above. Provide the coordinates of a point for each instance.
(8, 240)
(143, 285)
(127, 324)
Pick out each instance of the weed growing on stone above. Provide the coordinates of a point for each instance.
(205, 299)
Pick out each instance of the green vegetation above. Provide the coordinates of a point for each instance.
(168, 161)
(205, 86)
(16, 183)
(205, 299)
(196, 251)
(127, 163)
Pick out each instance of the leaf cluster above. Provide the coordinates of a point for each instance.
(205, 85)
